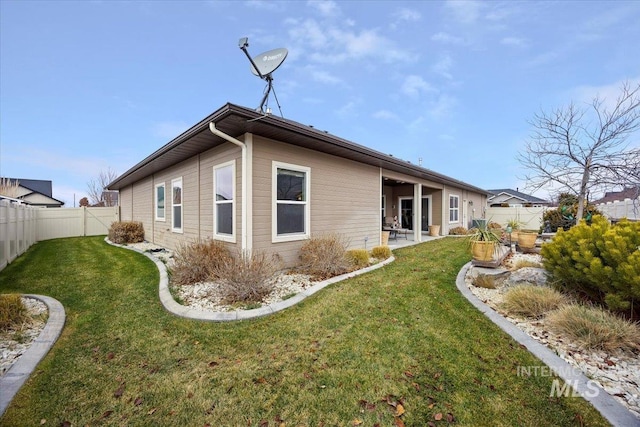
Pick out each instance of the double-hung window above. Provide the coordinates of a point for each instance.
(454, 208)
(224, 184)
(176, 205)
(291, 185)
(160, 202)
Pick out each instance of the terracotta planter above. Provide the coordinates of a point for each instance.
(434, 230)
(385, 238)
(514, 236)
(483, 251)
(527, 239)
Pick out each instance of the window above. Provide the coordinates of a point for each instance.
(454, 208)
(160, 202)
(176, 204)
(291, 186)
(224, 184)
(384, 209)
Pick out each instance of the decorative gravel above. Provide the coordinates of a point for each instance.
(15, 342)
(617, 373)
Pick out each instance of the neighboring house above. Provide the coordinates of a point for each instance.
(35, 192)
(109, 198)
(619, 196)
(514, 198)
(259, 182)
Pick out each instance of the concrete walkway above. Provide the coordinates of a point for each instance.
(16, 376)
(615, 412)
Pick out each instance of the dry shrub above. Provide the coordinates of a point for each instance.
(126, 232)
(12, 311)
(324, 256)
(359, 258)
(458, 231)
(485, 281)
(532, 301)
(381, 252)
(247, 278)
(197, 262)
(522, 263)
(595, 328)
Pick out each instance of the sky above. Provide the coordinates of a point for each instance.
(91, 86)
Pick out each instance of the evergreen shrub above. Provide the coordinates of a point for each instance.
(597, 260)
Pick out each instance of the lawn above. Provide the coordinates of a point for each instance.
(360, 352)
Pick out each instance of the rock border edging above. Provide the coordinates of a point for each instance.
(229, 316)
(616, 413)
(20, 371)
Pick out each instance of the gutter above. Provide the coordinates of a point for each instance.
(245, 179)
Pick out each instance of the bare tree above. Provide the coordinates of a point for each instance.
(97, 189)
(583, 150)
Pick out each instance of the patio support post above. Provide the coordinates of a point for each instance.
(245, 205)
(417, 218)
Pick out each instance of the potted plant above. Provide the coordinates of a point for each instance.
(514, 224)
(527, 238)
(484, 242)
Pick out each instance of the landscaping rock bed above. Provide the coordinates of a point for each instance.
(618, 374)
(15, 342)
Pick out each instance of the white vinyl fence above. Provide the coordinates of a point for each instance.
(529, 218)
(621, 209)
(21, 226)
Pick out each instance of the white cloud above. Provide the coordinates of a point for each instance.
(263, 4)
(447, 38)
(325, 7)
(385, 115)
(608, 94)
(336, 43)
(169, 130)
(404, 15)
(513, 41)
(349, 109)
(323, 76)
(464, 11)
(414, 85)
(443, 107)
(443, 67)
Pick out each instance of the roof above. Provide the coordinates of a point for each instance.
(235, 120)
(515, 193)
(613, 196)
(37, 185)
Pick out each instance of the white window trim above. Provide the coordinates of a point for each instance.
(231, 238)
(164, 208)
(454, 209)
(275, 238)
(173, 184)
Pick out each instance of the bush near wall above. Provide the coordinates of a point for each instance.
(126, 232)
(599, 261)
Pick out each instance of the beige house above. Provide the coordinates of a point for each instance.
(259, 182)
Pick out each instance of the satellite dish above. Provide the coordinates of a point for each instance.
(263, 66)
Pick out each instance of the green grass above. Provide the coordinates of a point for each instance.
(400, 332)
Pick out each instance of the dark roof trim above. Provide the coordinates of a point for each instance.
(236, 121)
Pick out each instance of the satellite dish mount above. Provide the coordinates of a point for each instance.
(263, 66)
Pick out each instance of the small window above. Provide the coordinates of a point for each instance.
(291, 185)
(454, 208)
(160, 202)
(224, 200)
(176, 203)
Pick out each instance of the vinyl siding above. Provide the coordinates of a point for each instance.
(344, 199)
(143, 204)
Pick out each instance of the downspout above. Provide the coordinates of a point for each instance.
(243, 190)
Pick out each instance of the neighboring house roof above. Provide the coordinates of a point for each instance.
(614, 196)
(235, 120)
(526, 198)
(36, 192)
(37, 185)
